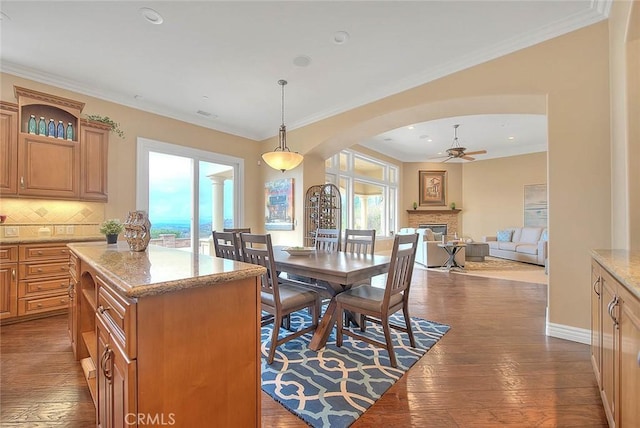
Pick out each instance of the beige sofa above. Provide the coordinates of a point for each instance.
(428, 253)
(524, 244)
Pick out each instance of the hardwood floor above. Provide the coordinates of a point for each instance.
(495, 367)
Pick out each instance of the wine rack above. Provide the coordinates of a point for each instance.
(322, 210)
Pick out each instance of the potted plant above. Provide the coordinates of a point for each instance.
(415, 205)
(111, 229)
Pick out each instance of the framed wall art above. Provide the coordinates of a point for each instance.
(535, 205)
(279, 204)
(432, 188)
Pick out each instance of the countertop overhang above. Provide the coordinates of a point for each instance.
(624, 265)
(159, 270)
(50, 239)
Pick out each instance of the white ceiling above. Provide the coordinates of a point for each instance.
(225, 58)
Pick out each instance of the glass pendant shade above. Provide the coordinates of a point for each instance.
(281, 157)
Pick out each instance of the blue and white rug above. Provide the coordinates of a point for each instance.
(334, 386)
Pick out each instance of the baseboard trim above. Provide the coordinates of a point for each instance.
(575, 334)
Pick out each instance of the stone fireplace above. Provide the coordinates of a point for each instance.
(418, 218)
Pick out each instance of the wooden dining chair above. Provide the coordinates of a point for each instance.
(378, 304)
(280, 297)
(226, 245)
(359, 241)
(327, 239)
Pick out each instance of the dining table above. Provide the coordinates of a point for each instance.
(335, 272)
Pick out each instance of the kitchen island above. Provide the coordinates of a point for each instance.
(166, 337)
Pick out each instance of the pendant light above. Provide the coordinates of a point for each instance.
(281, 157)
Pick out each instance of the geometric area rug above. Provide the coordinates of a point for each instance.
(335, 386)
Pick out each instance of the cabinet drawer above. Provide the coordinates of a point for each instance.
(43, 304)
(120, 315)
(39, 270)
(36, 252)
(9, 254)
(36, 288)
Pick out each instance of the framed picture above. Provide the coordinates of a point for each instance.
(432, 188)
(535, 205)
(279, 204)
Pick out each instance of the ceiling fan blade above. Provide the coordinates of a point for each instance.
(477, 152)
(438, 157)
(469, 158)
(448, 159)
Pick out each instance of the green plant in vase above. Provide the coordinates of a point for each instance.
(415, 205)
(111, 229)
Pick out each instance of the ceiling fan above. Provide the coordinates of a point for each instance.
(456, 151)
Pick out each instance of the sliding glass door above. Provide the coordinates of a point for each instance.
(188, 193)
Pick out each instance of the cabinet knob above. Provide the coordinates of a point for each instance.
(39, 253)
(39, 269)
(39, 305)
(39, 287)
(22, 182)
(63, 251)
(63, 300)
(63, 268)
(63, 285)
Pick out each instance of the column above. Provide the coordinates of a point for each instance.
(217, 201)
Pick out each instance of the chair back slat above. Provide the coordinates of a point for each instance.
(226, 245)
(359, 241)
(328, 239)
(403, 256)
(258, 250)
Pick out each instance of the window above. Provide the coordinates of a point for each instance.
(187, 193)
(369, 190)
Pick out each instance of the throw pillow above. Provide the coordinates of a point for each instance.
(428, 235)
(504, 235)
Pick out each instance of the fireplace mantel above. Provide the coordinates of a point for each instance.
(443, 216)
(433, 211)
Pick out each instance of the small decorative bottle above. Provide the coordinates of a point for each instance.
(60, 131)
(32, 124)
(52, 128)
(69, 131)
(42, 126)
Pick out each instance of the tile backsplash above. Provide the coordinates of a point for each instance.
(29, 217)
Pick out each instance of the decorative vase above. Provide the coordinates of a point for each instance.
(137, 230)
(112, 239)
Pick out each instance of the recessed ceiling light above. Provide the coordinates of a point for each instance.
(137, 97)
(204, 97)
(422, 137)
(511, 137)
(429, 140)
(151, 16)
(388, 139)
(409, 127)
(340, 37)
(302, 61)
(207, 114)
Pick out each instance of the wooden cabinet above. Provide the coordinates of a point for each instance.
(168, 358)
(617, 342)
(8, 148)
(37, 165)
(8, 281)
(94, 149)
(48, 167)
(44, 279)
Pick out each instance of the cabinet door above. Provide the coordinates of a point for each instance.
(48, 167)
(629, 410)
(72, 324)
(8, 290)
(609, 346)
(94, 144)
(116, 373)
(596, 321)
(8, 149)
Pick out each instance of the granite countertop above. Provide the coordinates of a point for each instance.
(50, 239)
(159, 270)
(624, 265)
